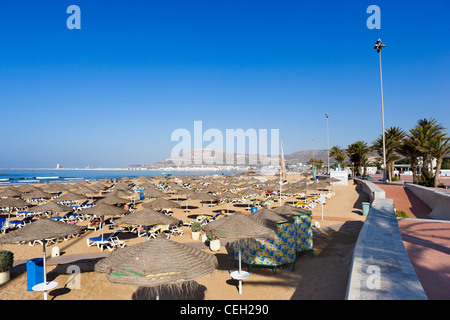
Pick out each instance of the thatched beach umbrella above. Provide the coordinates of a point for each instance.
(12, 203)
(10, 193)
(154, 193)
(37, 194)
(268, 216)
(52, 207)
(112, 199)
(71, 196)
(41, 230)
(156, 263)
(289, 210)
(146, 217)
(227, 195)
(237, 227)
(161, 204)
(202, 196)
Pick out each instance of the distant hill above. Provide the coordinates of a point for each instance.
(304, 156)
(196, 156)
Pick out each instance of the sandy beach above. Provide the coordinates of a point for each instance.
(322, 275)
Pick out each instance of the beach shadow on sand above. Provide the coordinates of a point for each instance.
(325, 276)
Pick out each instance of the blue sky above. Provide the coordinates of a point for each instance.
(111, 94)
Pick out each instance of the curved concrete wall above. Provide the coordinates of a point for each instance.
(381, 269)
(374, 191)
(437, 200)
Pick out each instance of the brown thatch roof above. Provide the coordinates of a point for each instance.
(71, 196)
(146, 217)
(40, 230)
(161, 204)
(8, 193)
(268, 216)
(239, 226)
(50, 206)
(36, 194)
(156, 262)
(11, 202)
(229, 195)
(202, 196)
(104, 209)
(112, 199)
(288, 210)
(154, 193)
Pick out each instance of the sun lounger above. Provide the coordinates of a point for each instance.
(64, 218)
(148, 232)
(111, 242)
(21, 223)
(175, 231)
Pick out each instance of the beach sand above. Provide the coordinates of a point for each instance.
(322, 275)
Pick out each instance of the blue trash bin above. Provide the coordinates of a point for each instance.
(35, 272)
(365, 208)
(253, 209)
(141, 196)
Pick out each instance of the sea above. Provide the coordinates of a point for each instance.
(32, 176)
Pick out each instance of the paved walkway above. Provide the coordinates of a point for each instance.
(427, 241)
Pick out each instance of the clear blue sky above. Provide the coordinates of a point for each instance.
(111, 94)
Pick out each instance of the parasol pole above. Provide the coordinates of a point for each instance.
(44, 266)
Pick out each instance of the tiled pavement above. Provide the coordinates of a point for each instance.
(427, 242)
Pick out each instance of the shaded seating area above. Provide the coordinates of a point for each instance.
(271, 252)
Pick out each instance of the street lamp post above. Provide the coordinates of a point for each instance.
(378, 46)
(328, 144)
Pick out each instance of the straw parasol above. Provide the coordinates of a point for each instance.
(71, 196)
(228, 195)
(237, 227)
(154, 193)
(41, 230)
(268, 216)
(289, 210)
(36, 194)
(146, 217)
(161, 204)
(112, 199)
(13, 203)
(10, 193)
(156, 263)
(50, 206)
(202, 196)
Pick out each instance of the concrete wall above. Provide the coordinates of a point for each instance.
(374, 191)
(381, 269)
(437, 200)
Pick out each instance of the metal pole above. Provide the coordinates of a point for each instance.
(328, 145)
(382, 121)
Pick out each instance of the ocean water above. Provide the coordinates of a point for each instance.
(17, 177)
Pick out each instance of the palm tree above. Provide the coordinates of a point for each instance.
(410, 152)
(422, 136)
(357, 152)
(393, 142)
(439, 149)
(338, 154)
